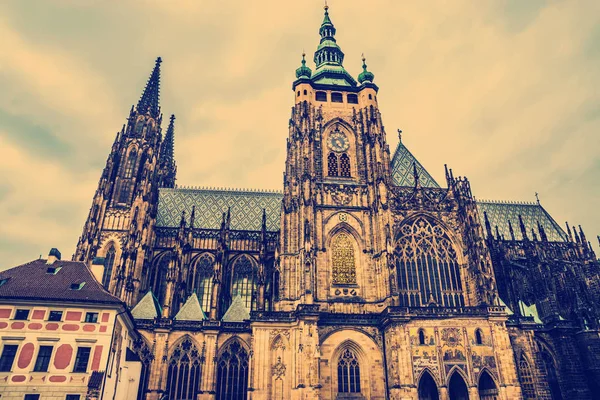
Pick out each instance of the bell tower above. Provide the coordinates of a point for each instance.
(335, 224)
(119, 229)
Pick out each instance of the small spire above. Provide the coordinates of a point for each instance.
(542, 231)
(416, 175)
(569, 235)
(498, 233)
(400, 135)
(488, 226)
(192, 216)
(510, 229)
(365, 76)
(149, 102)
(166, 157)
(303, 71)
(522, 226)
(537, 198)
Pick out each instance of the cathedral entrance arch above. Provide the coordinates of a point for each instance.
(427, 388)
(457, 388)
(487, 387)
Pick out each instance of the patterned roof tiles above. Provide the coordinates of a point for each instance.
(500, 213)
(402, 169)
(246, 208)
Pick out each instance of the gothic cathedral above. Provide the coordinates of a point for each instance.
(362, 279)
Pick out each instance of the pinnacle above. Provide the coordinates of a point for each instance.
(149, 102)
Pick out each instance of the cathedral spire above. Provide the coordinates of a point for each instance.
(166, 157)
(149, 102)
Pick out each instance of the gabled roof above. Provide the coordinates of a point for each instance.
(191, 310)
(402, 169)
(33, 281)
(147, 308)
(237, 311)
(246, 208)
(499, 214)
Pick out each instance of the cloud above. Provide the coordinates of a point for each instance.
(504, 92)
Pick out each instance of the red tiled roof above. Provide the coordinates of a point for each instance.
(31, 281)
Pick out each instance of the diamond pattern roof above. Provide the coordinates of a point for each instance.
(402, 169)
(246, 208)
(500, 213)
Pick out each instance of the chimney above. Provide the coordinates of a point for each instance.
(53, 256)
(98, 268)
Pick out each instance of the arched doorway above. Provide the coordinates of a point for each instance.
(457, 388)
(232, 373)
(487, 387)
(427, 388)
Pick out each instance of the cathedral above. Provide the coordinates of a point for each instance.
(364, 278)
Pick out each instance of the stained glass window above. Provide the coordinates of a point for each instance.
(527, 385)
(130, 164)
(185, 366)
(244, 280)
(428, 271)
(204, 280)
(342, 257)
(232, 373)
(348, 373)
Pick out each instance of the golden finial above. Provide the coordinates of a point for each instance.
(363, 57)
(326, 6)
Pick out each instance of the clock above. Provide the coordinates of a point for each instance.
(338, 141)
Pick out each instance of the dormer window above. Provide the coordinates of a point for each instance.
(53, 270)
(321, 96)
(77, 285)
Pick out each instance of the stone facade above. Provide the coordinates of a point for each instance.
(363, 279)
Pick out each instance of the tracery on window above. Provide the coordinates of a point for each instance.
(344, 165)
(130, 165)
(332, 164)
(527, 384)
(348, 372)
(109, 260)
(232, 373)
(342, 259)
(244, 280)
(428, 270)
(185, 366)
(204, 280)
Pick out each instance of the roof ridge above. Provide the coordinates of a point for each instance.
(509, 202)
(223, 189)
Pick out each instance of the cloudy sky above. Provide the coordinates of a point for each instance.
(505, 92)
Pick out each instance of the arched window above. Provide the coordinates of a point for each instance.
(130, 165)
(345, 165)
(342, 258)
(109, 261)
(125, 192)
(244, 280)
(332, 164)
(159, 281)
(526, 378)
(232, 373)
(478, 336)
(276, 278)
(551, 375)
(348, 373)
(204, 280)
(428, 271)
(421, 337)
(185, 368)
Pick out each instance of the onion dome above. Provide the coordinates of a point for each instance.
(303, 71)
(365, 76)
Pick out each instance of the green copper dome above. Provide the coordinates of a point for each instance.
(303, 71)
(365, 76)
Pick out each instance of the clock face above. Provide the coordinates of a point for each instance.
(338, 142)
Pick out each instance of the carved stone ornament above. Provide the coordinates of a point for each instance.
(341, 194)
(278, 369)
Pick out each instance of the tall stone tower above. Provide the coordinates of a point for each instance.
(119, 229)
(335, 187)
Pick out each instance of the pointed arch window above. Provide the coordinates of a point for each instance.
(232, 373)
(428, 270)
(478, 336)
(348, 372)
(345, 165)
(332, 164)
(342, 259)
(244, 280)
(526, 378)
(109, 261)
(204, 280)
(130, 165)
(421, 337)
(185, 370)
